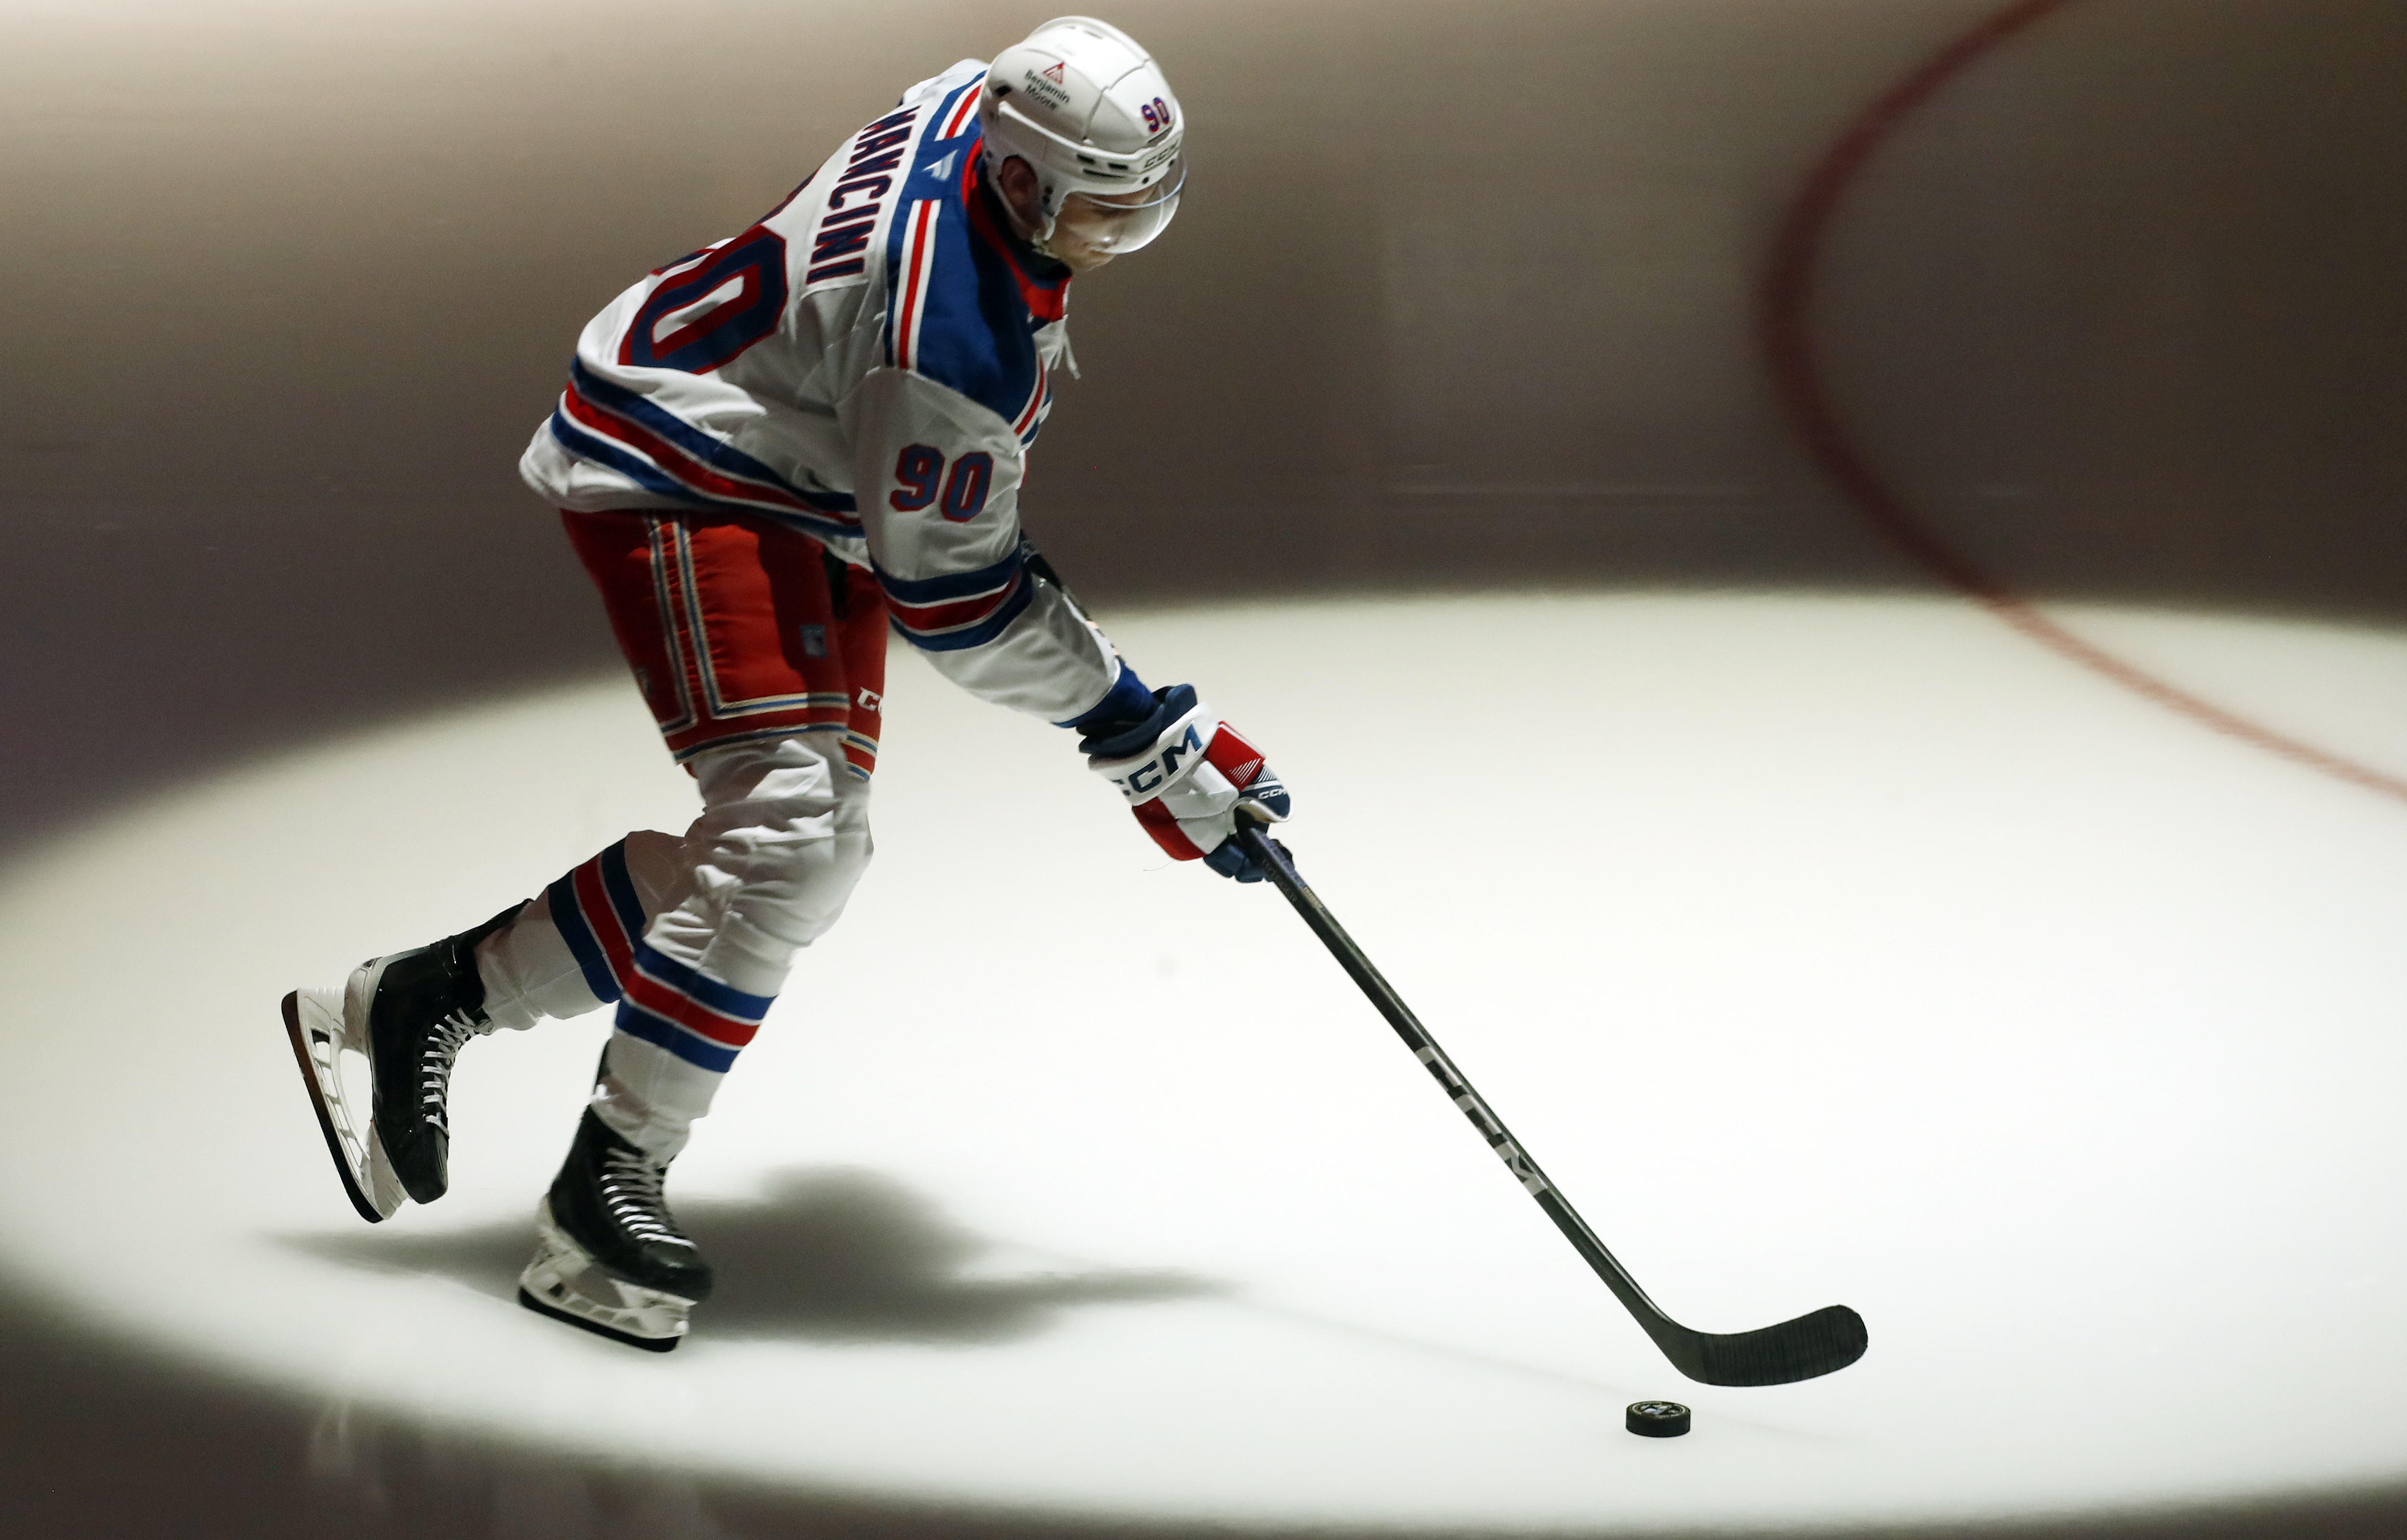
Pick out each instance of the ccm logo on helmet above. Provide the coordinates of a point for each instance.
(1155, 773)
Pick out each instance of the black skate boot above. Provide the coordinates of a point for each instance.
(608, 1255)
(407, 1015)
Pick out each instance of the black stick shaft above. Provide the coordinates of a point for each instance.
(1272, 858)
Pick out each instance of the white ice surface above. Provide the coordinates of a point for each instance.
(1824, 950)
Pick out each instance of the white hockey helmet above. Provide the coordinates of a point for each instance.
(1089, 111)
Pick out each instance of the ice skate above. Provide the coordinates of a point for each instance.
(406, 1016)
(608, 1255)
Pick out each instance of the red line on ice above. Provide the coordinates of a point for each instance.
(1786, 304)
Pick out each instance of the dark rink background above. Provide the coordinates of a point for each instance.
(1459, 298)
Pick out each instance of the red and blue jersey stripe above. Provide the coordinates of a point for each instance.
(961, 609)
(630, 433)
(1031, 416)
(959, 114)
(967, 297)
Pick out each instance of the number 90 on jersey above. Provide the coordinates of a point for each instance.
(959, 494)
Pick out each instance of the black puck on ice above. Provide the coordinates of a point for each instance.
(1658, 1418)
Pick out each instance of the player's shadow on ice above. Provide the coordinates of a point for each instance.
(825, 1255)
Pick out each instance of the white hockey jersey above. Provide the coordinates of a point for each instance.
(868, 365)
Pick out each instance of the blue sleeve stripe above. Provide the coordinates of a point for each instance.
(957, 585)
(1127, 700)
(719, 456)
(636, 1022)
(975, 636)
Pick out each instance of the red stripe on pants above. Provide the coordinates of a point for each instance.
(731, 622)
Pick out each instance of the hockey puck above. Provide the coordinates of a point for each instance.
(1657, 1419)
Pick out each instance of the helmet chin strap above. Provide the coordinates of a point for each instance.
(1040, 239)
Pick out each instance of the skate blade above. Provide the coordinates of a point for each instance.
(562, 1282)
(316, 1021)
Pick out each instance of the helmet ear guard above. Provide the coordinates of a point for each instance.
(1089, 111)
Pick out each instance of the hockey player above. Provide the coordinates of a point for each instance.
(769, 454)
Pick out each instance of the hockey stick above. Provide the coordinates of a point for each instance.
(1829, 1338)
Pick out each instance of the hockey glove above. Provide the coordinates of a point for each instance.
(1184, 771)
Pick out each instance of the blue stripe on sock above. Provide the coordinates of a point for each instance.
(570, 922)
(621, 888)
(710, 992)
(637, 1022)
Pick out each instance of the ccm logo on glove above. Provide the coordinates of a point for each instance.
(1148, 778)
(1185, 771)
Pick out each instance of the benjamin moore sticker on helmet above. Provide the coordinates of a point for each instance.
(1046, 88)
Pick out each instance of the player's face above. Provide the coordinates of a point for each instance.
(1094, 227)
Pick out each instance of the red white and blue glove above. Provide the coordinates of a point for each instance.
(1184, 771)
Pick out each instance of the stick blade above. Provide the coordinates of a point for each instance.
(1807, 1347)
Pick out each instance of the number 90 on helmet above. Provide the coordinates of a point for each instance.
(1090, 112)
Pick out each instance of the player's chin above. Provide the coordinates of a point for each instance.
(1086, 260)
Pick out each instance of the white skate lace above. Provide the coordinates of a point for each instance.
(435, 1063)
(630, 1190)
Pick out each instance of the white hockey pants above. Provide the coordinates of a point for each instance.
(692, 936)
